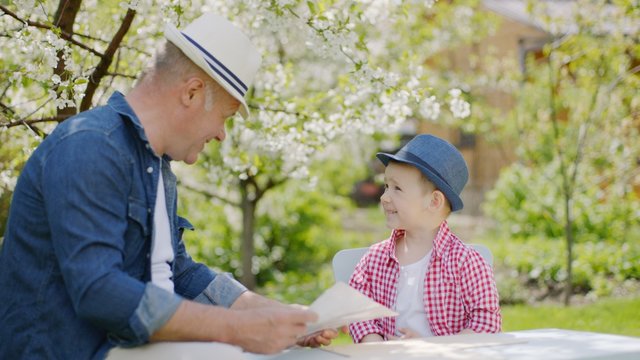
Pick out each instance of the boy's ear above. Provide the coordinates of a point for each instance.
(436, 201)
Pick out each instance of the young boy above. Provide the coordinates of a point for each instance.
(437, 284)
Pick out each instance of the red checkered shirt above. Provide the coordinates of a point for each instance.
(459, 288)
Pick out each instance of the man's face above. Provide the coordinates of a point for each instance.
(205, 125)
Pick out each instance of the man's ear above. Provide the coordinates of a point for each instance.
(192, 91)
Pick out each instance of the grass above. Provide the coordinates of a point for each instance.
(612, 316)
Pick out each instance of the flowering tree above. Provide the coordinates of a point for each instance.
(331, 74)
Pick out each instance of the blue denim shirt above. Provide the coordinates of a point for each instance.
(75, 264)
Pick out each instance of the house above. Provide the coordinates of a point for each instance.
(518, 35)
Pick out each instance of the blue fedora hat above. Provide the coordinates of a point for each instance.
(439, 161)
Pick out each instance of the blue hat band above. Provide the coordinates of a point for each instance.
(219, 68)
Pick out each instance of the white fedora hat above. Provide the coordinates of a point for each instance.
(222, 51)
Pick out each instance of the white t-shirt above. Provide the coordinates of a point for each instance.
(410, 303)
(161, 249)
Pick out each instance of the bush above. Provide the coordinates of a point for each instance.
(538, 263)
(297, 233)
(526, 202)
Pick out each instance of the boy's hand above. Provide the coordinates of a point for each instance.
(406, 334)
(372, 338)
(318, 338)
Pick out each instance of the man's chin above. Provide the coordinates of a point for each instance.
(190, 160)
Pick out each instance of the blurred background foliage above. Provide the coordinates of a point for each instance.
(298, 230)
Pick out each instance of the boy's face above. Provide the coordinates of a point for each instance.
(405, 197)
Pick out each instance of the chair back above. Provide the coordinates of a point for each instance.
(345, 261)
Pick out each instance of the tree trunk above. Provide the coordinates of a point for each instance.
(568, 230)
(248, 207)
(64, 19)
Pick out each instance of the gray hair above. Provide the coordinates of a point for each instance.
(171, 65)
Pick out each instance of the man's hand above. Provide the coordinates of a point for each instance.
(318, 338)
(269, 330)
(251, 300)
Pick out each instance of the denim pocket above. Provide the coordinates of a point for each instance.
(139, 213)
(183, 224)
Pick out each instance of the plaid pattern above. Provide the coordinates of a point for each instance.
(459, 288)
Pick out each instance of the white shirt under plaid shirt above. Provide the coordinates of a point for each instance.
(459, 287)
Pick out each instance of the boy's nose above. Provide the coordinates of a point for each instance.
(384, 197)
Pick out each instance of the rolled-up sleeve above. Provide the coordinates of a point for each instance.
(156, 307)
(361, 281)
(480, 295)
(223, 291)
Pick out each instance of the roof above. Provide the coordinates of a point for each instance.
(557, 16)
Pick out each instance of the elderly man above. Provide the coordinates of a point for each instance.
(93, 256)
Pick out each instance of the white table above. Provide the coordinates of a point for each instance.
(545, 344)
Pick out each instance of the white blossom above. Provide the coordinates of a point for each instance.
(460, 108)
(319, 81)
(430, 108)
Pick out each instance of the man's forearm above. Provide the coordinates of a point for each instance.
(192, 322)
(251, 300)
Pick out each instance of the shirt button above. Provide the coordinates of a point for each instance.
(148, 255)
(149, 210)
(150, 169)
(147, 146)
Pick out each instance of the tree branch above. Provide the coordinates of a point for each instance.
(7, 124)
(106, 60)
(63, 34)
(256, 107)
(116, 74)
(595, 111)
(6, 108)
(207, 193)
(272, 183)
(28, 123)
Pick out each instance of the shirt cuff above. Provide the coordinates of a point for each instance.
(223, 290)
(156, 307)
(361, 329)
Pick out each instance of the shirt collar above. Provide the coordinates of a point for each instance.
(439, 242)
(442, 238)
(120, 105)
